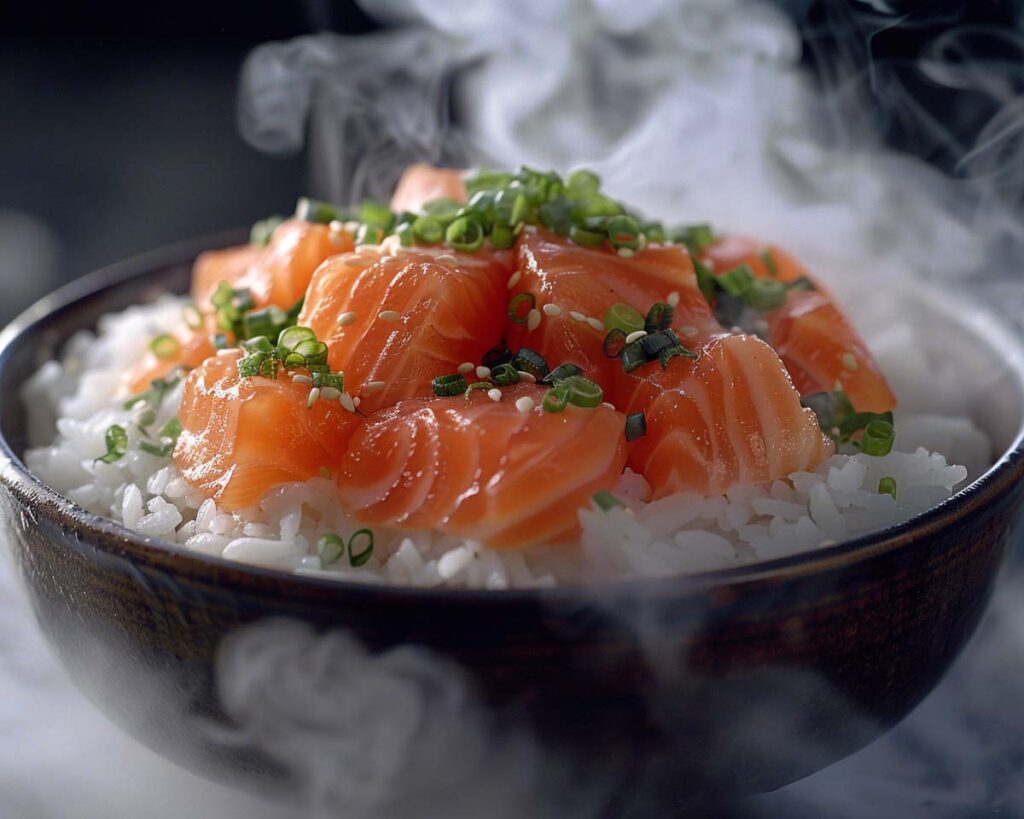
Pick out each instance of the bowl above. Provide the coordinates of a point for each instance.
(735, 681)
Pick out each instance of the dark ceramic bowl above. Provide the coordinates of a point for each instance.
(741, 680)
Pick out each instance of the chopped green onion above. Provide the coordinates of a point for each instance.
(514, 314)
(765, 295)
(428, 229)
(769, 262)
(803, 283)
(266, 322)
(583, 181)
(480, 179)
(878, 438)
(622, 317)
(478, 385)
(632, 356)
(887, 486)
(154, 395)
(505, 375)
(168, 435)
(495, 356)
(606, 501)
(292, 337)
(706, 280)
(659, 317)
(636, 426)
(369, 235)
(623, 232)
(376, 215)
(444, 208)
(736, 282)
(560, 373)
(263, 230)
(502, 237)
(358, 558)
(613, 343)
(528, 361)
(582, 392)
(330, 547)
(406, 235)
(313, 210)
(116, 441)
(695, 237)
(448, 385)
(555, 399)
(165, 346)
(465, 234)
(586, 238)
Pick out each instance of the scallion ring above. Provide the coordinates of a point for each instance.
(878, 438)
(605, 500)
(528, 361)
(561, 372)
(621, 316)
(636, 426)
(165, 346)
(556, 399)
(887, 486)
(465, 234)
(448, 385)
(355, 558)
(613, 343)
(330, 547)
(116, 441)
(517, 315)
(582, 392)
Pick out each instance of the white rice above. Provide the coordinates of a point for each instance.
(71, 404)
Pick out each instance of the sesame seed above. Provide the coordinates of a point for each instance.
(513, 280)
(334, 226)
(346, 318)
(389, 315)
(346, 401)
(576, 315)
(533, 320)
(673, 299)
(525, 376)
(373, 386)
(330, 393)
(531, 229)
(445, 258)
(607, 405)
(688, 331)
(352, 226)
(636, 335)
(524, 404)
(552, 309)
(596, 323)
(483, 372)
(626, 252)
(466, 367)
(313, 397)
(850, 361)
(357, 401)
(494, 395)
(298, 378)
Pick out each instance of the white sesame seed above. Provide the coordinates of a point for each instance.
(389, 315)
(552, 309)
(596, 323)
(465, 367)
(525, 404)
(673, 299)
(357, 401)
(850, 361)
(330, 393)
(576, 315)
(513, 280)
(636, 335)
(346, 401)
(533, 320)
(334, 226)
(352, 226)
(445, 258)
(494, 395)
(607, 405)
(298, 378)
(483, 372)
(626, 252)
(525, 376)
(313, 397)
(346, 318)
(531, 229)
(373, 386)
(688, 331)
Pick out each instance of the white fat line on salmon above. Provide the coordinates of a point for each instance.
(389, 315)
(552, 309)
(513, 280)
(533, 320)
(525, 404)
(346, 318)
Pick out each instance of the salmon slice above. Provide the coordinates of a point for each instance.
(818, 343)
(243, 436)
(583, 282)
(403, 320)
(194, 347)
(480, 469)
(421, 182)
(275, 275)
(729, 416)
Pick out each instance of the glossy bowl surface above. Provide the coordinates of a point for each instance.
(741, 680)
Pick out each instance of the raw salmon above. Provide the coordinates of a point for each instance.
(242, 436)
(818, 343)
(194, 347)
(421, 182)
(403, 320)
(481, 469)
(583, 282)
(729, 416)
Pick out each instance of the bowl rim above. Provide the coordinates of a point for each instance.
(1007, 469)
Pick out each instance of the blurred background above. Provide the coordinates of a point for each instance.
(120, 133)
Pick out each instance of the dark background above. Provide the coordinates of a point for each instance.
(118, 133)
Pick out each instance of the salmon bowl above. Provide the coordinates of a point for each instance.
(668, 673)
